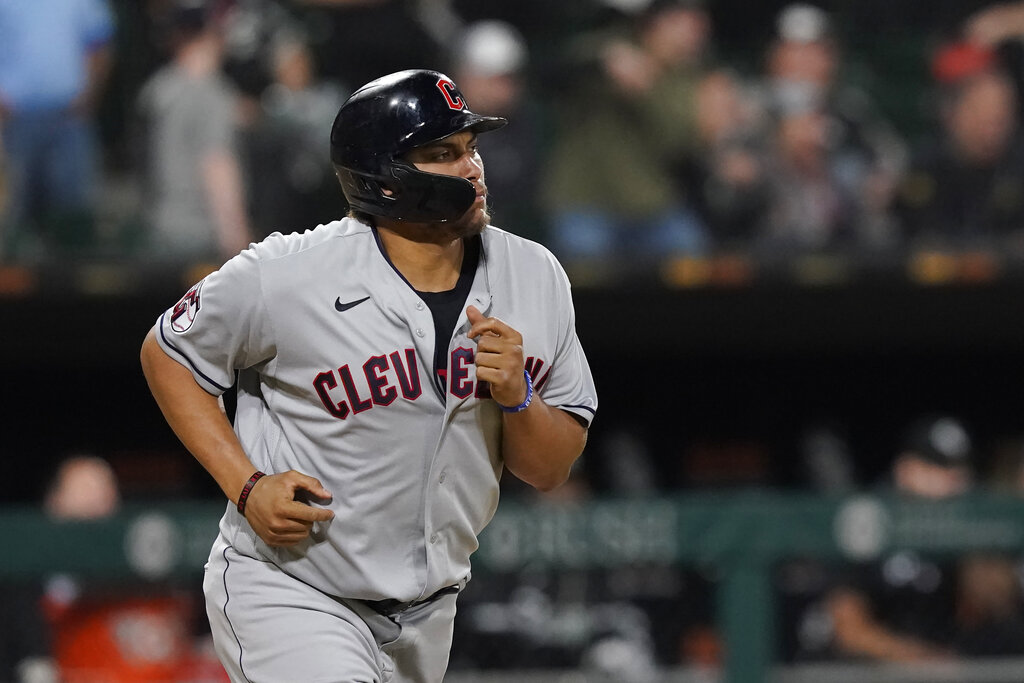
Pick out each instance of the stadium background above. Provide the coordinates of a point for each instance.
(715, 378)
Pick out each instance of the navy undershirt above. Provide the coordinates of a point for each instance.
(445, 307)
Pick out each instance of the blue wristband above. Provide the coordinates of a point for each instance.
(526, 402)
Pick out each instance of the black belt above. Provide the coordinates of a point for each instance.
(395, 606)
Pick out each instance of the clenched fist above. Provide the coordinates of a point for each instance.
(275, 512)
(499, 357)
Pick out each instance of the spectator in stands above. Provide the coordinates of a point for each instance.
(291, 177)
(807, 205)
(833, 162)
(912, 608)
(490, 66)
(627, 127)
(196, 203)
(966, 187)
(900, 607)
(55, 56)
(106, 630)
(725, 176)
(82, 488)
(251, 33)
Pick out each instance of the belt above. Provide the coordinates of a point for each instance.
(386, 607)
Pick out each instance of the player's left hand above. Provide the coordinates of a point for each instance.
(499, 357)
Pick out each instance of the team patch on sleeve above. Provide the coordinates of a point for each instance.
(186, 310)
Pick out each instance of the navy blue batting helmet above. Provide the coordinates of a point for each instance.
(380, 123)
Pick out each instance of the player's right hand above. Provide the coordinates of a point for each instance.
(276, 515)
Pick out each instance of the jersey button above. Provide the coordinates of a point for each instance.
(443, 476)
(420, 332)
(433, 538)
(419, 305)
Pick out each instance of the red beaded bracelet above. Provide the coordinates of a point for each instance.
(244, 495)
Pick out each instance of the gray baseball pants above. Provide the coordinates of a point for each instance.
(269, 627)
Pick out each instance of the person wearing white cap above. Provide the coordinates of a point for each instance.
(491, 65)
(862, 155)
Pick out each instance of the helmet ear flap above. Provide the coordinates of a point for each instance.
(421, 197)
(367, 192)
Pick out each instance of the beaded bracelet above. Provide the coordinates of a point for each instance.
(526, 402)
(244, 495)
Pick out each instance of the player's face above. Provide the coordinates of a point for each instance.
(457, 155)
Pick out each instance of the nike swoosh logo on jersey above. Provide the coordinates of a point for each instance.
(345, 306)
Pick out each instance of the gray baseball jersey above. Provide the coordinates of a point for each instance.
(335, 357)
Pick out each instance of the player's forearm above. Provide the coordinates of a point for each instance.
(196, 418)
(876, 642)
(858, 632)
(541, 443)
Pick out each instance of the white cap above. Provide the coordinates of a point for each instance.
(492, 48)
(802, 23)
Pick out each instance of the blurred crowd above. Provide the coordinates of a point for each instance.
(183, 129)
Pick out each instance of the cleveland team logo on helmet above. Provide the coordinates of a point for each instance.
(382, 121)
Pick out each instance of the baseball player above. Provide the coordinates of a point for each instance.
(389, 366)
